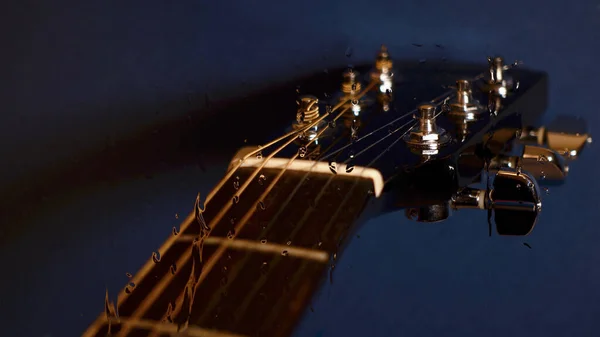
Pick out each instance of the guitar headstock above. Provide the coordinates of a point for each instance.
(434, 131)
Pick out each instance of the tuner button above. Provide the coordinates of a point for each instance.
(544, 164)
(515, 200)
(566, 135)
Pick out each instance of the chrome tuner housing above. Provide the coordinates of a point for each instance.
(514, 200)
(427, 138)
(566, 135)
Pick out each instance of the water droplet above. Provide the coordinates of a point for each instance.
(173, 268)
(546, 190)
(232, 221)
(542, 175)
(235, 199)
(349, 168)
(351, 154)
(518, 186)
(236, 183)
(284, 253)
(230, 234)
(289, 242)
(156, 257)
(128, 275)
(353, 86)
(259, 155)
(331, 124)
(261, 205)
(261, 179)
(224, 280)
(264, 268)
(333, 167)
(302, 151)
(349, 52)
(175, 231)
(176, 216)
(263, 241)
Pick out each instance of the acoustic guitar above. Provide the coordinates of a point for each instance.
(427, 139)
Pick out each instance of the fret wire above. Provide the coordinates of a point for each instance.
(244, 244)
(172, 329)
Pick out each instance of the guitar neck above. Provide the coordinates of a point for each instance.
(258, 278)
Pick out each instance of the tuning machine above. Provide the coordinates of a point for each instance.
(499, 84)
(308, 113)
(350, 90)
(514, 200)
(426, 138)
(543, 164)
(566, 135)
(463, 109)
(383, 74)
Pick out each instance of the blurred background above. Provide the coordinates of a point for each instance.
(104, 103)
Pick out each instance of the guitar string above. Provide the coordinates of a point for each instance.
(163, 283)
(437, 101)
(256, 151)
(183, 259)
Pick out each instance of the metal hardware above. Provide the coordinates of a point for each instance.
(426, 138)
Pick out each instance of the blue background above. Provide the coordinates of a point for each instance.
(80, 77)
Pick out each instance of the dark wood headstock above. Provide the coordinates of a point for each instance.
(427, 139)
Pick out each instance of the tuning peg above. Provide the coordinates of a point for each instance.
(499, 83)
(514, 200)
(350, 88)
(383, 74)
(426, 138)
(307, 113)
(463, 109)
(543, 164)
(566, 135)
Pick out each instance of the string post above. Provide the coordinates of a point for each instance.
(463, 109)
(383, 74)
(426, 138)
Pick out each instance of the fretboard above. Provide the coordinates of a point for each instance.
(263, 280)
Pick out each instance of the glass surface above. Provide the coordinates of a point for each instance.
(86, 227)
